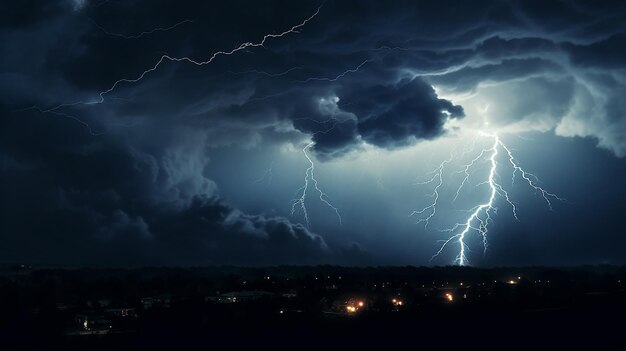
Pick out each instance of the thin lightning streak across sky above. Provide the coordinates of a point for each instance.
(267, 176)
(272, 75)
(339, 76)
(480, 216)
(64, 115)
(144, 33)
(431, 209)
(281, 93)
(309, 177)
(166, 57)
(216, 54)
(102, 3)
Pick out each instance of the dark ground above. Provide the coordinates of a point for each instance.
(305, 307)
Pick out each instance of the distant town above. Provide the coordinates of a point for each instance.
(288, 306)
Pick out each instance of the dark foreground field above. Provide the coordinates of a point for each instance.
(313, 307)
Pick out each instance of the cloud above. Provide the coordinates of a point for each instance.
(212, 232)
(540, 83)
(249, 97)
(383, 74)
(104, 201)
(598, 111)
(393, 116)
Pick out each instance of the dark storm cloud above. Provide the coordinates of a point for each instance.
(467, 78)
(102, 202)
(397, 115)
(389, 114)
(359, 72)
(608, 53)
(28, 13)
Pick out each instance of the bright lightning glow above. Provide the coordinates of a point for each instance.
(475, 216)
(479, 216)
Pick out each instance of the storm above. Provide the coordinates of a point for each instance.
(151, 133)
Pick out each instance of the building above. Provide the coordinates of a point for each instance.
(240, 296)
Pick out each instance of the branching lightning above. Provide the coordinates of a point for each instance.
(431, 209)
(309, 178)
(164, 58)
(481, 215)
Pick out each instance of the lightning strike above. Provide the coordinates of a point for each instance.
(64, 115)
(431, 209)
(325, 79)
(264, 73)
(267, 176)
(164, 58)
(144, 33)
(336, 78)
(309, 178)
(481, 215)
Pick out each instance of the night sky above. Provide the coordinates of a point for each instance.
(179, 132)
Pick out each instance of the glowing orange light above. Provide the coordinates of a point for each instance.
(449, 297)
(361, 303)
(396, 302)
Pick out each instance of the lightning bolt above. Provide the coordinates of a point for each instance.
(103, 2)
(215, 55)
(527, 177)
(266, 177)
(309, 178)
(431, 209)
(64, 115)
(336, 78)
(144, 33)
(165, 58)
(310, 79)
(481, 215)
(267, 74)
